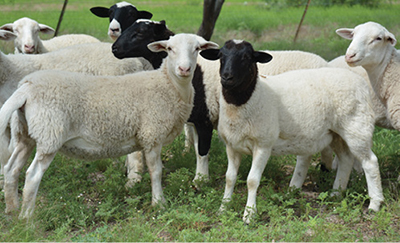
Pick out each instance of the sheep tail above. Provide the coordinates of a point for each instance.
(15, 102)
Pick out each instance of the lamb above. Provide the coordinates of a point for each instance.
(372, 47)
(90, 117)
(94, 58)
(29, 42)
(205, 115)
(298, 112)
(121, 15)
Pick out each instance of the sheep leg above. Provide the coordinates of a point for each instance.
(373, 177)
(12, 171)
(260, 159)
(154, 164)
(202, 139)
(4, 156)
(234, 159)
(34, 175)
(300, 171)
(327, 158)
(134, 166)
(345, 164)
(189, 130)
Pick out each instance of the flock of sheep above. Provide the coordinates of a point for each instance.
(135, 95)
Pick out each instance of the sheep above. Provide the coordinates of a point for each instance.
(372, 47)
(93, 58)
(132, 43)
(29, 42)
(298, 112)
(95, 117)
(381, 119)
(121, 15)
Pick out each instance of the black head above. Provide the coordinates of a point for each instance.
(134, 40)
(121, 15)
(238, 63)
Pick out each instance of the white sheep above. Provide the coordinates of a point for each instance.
(381, 119)
(372, 47)
(94, 117)
(93, 58)
(298, 112)
(29, 42)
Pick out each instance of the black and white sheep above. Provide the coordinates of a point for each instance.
(121, 15)
(94, 117)
(205, 114)
(28, 41)
(298, 112)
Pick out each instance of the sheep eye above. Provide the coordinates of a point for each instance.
(378, 38)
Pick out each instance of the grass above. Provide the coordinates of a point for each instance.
(87, 201)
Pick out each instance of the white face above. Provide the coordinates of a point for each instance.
(27, 31)
(182, 52)
(369, 43)
(114, 29)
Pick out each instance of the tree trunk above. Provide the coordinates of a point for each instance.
(211, 10)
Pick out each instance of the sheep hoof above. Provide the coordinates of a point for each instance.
(199, 180)
(374, 205)
(132, 182)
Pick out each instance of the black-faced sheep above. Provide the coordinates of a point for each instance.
(298, 112)
(121, 15)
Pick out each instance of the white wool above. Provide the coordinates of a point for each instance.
(124, 4)
(372, 47)
(92, 117)
(301, 112)
(29, 42)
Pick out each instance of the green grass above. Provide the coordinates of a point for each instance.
(87, 201)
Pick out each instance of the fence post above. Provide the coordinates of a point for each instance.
(61, 17)
(301, 21)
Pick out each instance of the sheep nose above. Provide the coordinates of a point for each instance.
(227, 76)
(114, 30)
(184, 71)
(114, 48)
(29, 48)
(348, 57)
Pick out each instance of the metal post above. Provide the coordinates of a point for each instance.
(61, 17)
(301, 21)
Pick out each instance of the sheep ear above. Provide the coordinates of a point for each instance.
(157, 46)
(262, 57)
(101, 12)
(204, 45)
(210, 54)
(345, 33)
(8, 27)
(7, 35)
(45, 29)
(144, 15)
(391, 38)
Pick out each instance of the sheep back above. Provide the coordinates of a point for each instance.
(109, 116)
